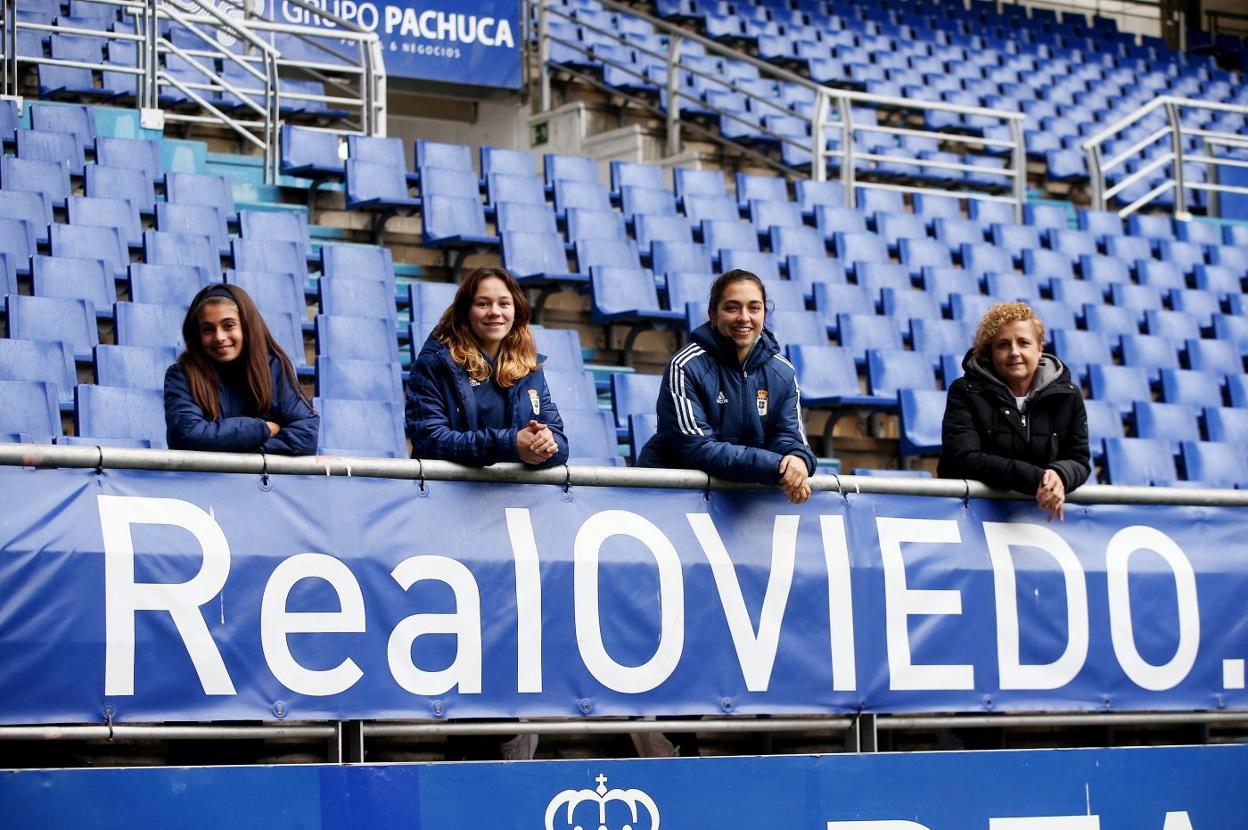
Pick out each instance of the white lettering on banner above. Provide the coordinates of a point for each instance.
(528, 601)
(884, 824)
(406, 21)
(1046, 823)
(464, 623)
(901, 603)
(276, 623)
(756, 653)
(840, 603)
(1118, 553)
(589, 540)
(1001, 537)
(123, 597)
(1177, 821)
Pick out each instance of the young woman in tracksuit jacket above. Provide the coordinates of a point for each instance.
(234, 389)
(729, 402)
(1014, 420)
(477, 394)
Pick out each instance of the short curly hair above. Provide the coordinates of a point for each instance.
(998, 315)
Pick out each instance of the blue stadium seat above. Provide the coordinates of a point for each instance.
(51, 361)
(133, 185)
(580, 194)
(933, 336)
(764, 215)
(1236, 392)
(1104, 421)
(860, 332)
(205, 220)
(1077, 293)
(1121, 385)
(986, 212)
(1149, 352)
(690, 182)
(641, 427)
(358, 380)
(701, 207)
(584, 223)
(341, 297)
(890, 370)
(1200, 232)
(647, 200)
(1160, 275)
(507, 162)
(1015, 238)
(358, 338)
(795, 327)
(765, 266)
(358, 262)
(201, 189)
(670, 257)
(85, 279)
(283, 226)
(1214, 465)
(118, 412)
(811, 194)
(1175, 325)
(1105, 270)
(1216, 356)
(1201, 305)
(381, 150)
(524, 189)
(633, 394)
(957, 232)
(1139, 462)
(1151, 226)
(269, 255)
(194, 250)
(440, 154)
(765, 188)
(150, 324)
(933, 206)
(1072, 242)
(1101, 223)
(651, 228)
(1111, 321)
(1012, 286)
(561, 167)
(72, 119)
(1191, 387)
(1079, 349)
(517, 216)
(806, 271)
(29, 412)
(312, 154)
(800, 241)
(685, 287)
(53, 318)
(1185, 255)
(373, 185)
(428, 300)
(361, 428)
(103, 212)
(91, 242)
(572, 390)
(18, 244)
(969, 308)
(1043, 264)
(451, 221)
(831, 220)
(633, 174)
(33, 207)
(1223, 424)
(591, 438)
(611, 253)
(854, 248)
(138, 367)
(60, 148)
(1043, 216)
(942, 282)
(921, 415)
(986, 259)
(626, 295)
(561, 348)
(827, 377)
(48, 177)
(894, 227)
(1219, 279)
(1173, 422)
(540, 258)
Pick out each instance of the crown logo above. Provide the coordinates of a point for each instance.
(601, 796)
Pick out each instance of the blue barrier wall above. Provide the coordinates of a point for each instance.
(1188, 788)
(170, 596)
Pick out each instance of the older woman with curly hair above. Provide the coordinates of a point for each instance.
(1015, 420)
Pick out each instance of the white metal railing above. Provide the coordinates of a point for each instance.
(832, 113)
(352, 74)
(1167, 137)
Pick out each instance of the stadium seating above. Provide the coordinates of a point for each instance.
(138, 367)
(29, 412)
(120, 414)
(361, 427)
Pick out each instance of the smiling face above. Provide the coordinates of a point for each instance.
(1016, 354)
(739, 315)
(491, 315)
(220, 332)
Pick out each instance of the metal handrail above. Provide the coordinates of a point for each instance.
(826, 99)
(1177, 156)
(122, 458)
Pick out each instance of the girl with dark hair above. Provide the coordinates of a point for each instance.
(477, 394)
(233, 389)
(729, 402)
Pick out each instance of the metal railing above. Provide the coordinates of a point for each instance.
(245, 95)
(1169, 161)
(1224, 22)
(831, 113)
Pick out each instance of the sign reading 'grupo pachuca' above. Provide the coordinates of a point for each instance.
(201, 596)
(475, 42)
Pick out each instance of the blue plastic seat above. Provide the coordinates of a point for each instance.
(312, 154)
(636, 200)
(359, 380)
(591, 438)
(373, 185)
(560, 347)
(797, 327)
(580, 194)
(523, 189)
(1214, 465)
(1044, 215)
(1015, 238)
(1173, 422)
(1077, 293)
(969, 308)
(358, 262)
(1139, 462)
(358, 338)
(641, 428)
(1121, 385)
(1221, 280)
(612, 253)
(195, 250)
(54, 318)
(796, 241)
(103, 212)
(361, 428)
(701, 207)
(561, 167)
(572, 390)
(651, 228)
(136, 367)
(1012, 286)
(507, 162)
(1175, 325)
(1185, 255)
(894, 227)
(91, 242)
(539, 258)
(827, 377)
(341, 297)
(633, 394)
(1191, 387)
(933, 336)
(626, 294)
(584, 223)
(204, 220)
(1217, 356)
(29, 412)
(860, 332)
(1129, 248)
(1197, 303)
(1111, 321)
(51, 361)
(283, 226)
(1105, 270)
(451, 221)
(269, 255)
(48, 177)
(1079, 349)
(1231, 257)
(1043, 264)
(766, 188)
(670, 257)
(75, 278)
(73, 119)
(986, 259)
(860, 247)
(150, 324)
(428, 300)
(806, 271)
(1227, 425)
(444, 155)
(31, 206)
(633, 174)
(1200, 232)
(1151, 226)
(921, 416)
(811, 194)
(831, 220)
(1104, 421)
(1102, 223)
(201, 189)
(517, 216)
(18, 244)
(133, 185)
(689, 182)
(1075, 243)
(60, 148)
(119, 412)
(1149, 352)
(765, 266)
(889, 371)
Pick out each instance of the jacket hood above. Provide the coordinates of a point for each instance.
(438, 349)
(725, 351)
(1049, 371)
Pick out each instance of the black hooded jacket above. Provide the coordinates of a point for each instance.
(986, 438)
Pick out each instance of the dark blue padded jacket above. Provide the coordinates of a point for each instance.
(442, 413)
(187, 428)
(732, 421)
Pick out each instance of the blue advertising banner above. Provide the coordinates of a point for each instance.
(171, 596)
(1181, 788)
(475, 42)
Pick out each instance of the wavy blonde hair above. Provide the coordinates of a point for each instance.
(997, 317)
(517, 356)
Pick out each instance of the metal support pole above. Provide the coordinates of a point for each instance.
(1019, 154)
(347, 744)
(1097, 176)
(673, 95)
(818, 139)
(847, 150)
(1176, 145)
(10, 48)
(864, 735)
(151, 79)
(543, 54)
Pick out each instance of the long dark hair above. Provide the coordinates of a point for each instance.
(728, 278)
(202, 374)
(517, 355)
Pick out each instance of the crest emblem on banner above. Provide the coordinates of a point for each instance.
(535, 401)
(761, 402)
(601, 796)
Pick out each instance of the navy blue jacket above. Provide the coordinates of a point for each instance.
(732, 421)
(187, 428)
(442, 413)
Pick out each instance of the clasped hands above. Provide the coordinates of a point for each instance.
(1051, 496)
(793, 479)
(535, 443)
